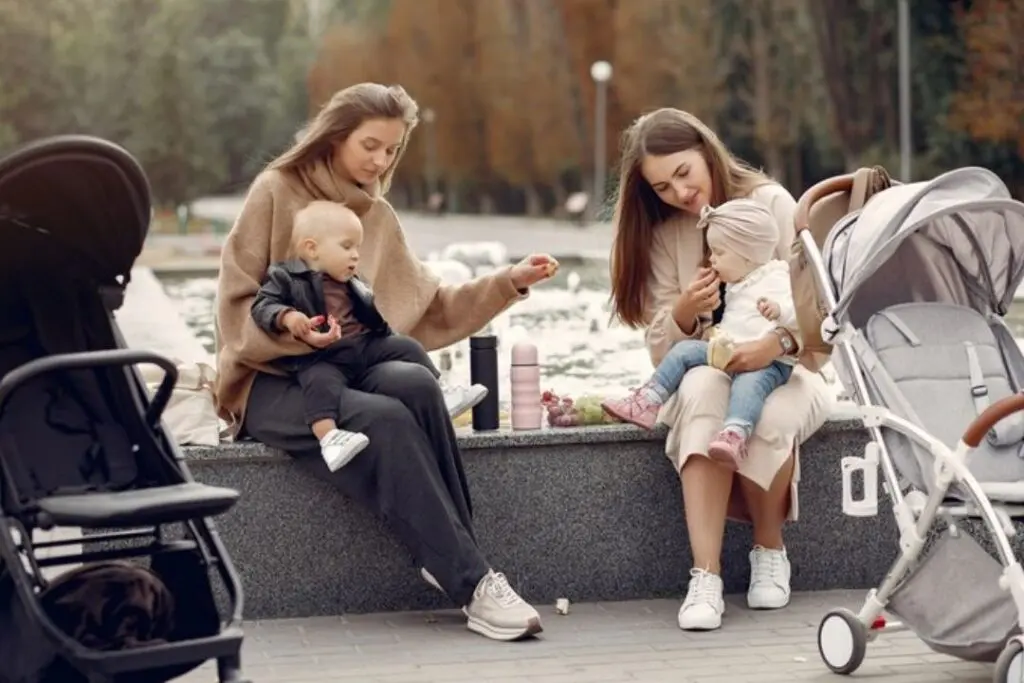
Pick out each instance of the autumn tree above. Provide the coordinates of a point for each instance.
(990, 103)
(856, 46)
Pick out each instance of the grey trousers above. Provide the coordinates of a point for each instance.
(411, 474)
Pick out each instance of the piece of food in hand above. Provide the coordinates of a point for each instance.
(720, 350)
(552, 267)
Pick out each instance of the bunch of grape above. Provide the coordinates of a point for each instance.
(565, 412)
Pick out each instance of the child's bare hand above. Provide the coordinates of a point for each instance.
(768, 308)
(303, 327)
(298, 323)
(323, 339)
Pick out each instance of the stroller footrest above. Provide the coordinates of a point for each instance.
(157, 505)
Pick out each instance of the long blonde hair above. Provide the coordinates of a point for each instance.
(638, 209)
(343, 113)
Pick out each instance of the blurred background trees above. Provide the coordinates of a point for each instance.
(204, 92)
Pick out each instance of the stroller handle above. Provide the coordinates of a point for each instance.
(95, 359)
(1004, 407)
(818, 191)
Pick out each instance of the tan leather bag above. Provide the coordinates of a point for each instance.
(818, 210)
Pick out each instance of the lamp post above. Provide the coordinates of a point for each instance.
(601, 72)
(429, 117)
(904, 90)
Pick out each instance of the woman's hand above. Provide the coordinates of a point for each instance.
(303, 327)
(702, 295)
(754, 355)
(533, 269)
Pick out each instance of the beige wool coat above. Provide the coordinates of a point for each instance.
(695, 414)
(410, 297)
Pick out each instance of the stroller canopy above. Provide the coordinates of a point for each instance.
(79, 194)
(958, 238)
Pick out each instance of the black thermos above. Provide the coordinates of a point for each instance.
(483, 369)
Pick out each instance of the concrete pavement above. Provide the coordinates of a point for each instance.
(601, 642)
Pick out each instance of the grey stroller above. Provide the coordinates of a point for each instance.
(915, 286)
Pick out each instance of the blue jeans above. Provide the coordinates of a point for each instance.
(749, 389)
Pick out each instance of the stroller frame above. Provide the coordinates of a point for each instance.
(224, 647)
(122, 524)
(843, 635)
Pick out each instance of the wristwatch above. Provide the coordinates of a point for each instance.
(788, 347)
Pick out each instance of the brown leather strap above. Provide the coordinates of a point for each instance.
(977, 430)
(820, 190)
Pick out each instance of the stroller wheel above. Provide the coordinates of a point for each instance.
(842, 641)
(1010, 665)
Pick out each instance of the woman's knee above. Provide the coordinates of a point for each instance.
(410, 350)
(377, 416)
(411, 382)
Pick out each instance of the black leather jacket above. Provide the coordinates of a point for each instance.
(292, 284)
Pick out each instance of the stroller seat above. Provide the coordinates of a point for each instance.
(143, 507)
(939, 366)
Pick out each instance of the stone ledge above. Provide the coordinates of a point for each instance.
(503, 438)
(590, 514)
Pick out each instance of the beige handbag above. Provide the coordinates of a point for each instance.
(818, 210)
(190, 414)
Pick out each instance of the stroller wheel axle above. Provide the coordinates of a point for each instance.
(842, 641)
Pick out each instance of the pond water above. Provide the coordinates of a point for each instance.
(567, 318)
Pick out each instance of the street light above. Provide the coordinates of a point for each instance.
(904, 90)
(601, 72)
(429, 116)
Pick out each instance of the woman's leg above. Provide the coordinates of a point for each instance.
(420, 393)
(494, 609)
(769, 565)
(706, 489)
(397, 478)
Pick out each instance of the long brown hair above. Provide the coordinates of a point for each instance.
(639, 210)
(343, 113)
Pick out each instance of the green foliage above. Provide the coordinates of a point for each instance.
(204, 92)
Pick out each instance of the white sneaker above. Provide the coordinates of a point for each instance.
(704, 605)
(499, 613)
(458, 399)
(769, 579)
(339, 447)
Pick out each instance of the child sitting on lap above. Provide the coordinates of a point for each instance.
(319, 291)
(742, 236)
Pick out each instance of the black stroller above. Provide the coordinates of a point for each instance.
(82, 446)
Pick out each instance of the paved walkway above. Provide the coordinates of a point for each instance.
(605, 642)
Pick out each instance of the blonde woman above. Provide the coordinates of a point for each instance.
(672, 167)
(411, 474)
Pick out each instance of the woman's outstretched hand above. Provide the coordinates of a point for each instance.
(754, 355)
(700, 296)
(533, 269)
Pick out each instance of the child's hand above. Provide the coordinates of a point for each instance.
(297, 323)
(768, 308)
(322, 340)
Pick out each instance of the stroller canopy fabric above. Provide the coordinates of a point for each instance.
(75, 193)
(958, 238)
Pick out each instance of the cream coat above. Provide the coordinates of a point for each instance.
(695, 414)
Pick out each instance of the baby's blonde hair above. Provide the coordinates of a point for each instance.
(317, 219)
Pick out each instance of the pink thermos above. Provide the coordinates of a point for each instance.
(527, 411)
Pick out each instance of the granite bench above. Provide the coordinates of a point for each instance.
(588, 514)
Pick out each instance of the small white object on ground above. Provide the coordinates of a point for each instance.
(562, 606)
